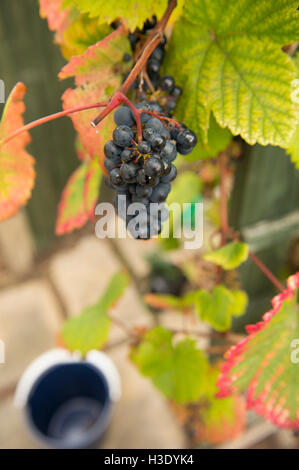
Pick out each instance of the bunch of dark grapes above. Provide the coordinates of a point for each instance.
(142, 171)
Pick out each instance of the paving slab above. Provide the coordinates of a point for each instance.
(16, 244)
(13, 434)
(29, 321)
(81, 275)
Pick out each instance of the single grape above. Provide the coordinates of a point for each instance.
(176, 92)
(144, 117)
(111, 150)
(171, 175)
(166, 167)
(109, 164)
(128, 172)
(123, 116)
(144, 147)
(154, 123)
(153, 167)
(153, 66)
(123, 135)
(183, 150)
(115, 178)
(127, 156)
(169, 151)
(158, 141)
(165, 133)
(143, 191)
(187, 139)
(158, 54)
(143, 179)
(148, 133)
(160, 193)
(167, 83)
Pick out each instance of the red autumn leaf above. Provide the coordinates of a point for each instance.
(16, 165)
(262, 363)
(95, 80)
(79, 197)
(57, 16)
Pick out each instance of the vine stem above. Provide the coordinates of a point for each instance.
(149, 47)
(50, 117)
(224, 227)
(223, 198)
(227, 232)
(266, 271)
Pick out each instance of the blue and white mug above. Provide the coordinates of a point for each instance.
(68, 401)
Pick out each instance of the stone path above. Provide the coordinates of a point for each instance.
(31, 313)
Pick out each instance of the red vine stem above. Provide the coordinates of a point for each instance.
(227, 232)
(149, 47)
(49, 118)
(266, 271)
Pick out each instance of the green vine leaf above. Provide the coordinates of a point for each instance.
(16, 165)
(90, 329)
(229, 61)
(219, 306)
(79, 197)
(263, 362)
(177, 370)
(132, 12)
(218, 139)
(229, 256)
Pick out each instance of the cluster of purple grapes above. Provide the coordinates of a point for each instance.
(141, 171)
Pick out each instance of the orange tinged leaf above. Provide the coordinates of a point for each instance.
(16, 165)
(79, 197)
(95, 80)
(56, 15)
